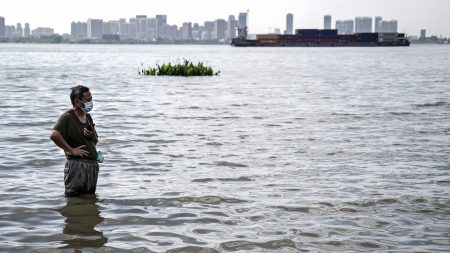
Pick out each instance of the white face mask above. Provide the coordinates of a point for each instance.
(87, 106)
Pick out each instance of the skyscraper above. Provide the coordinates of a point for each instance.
(2, 27)
(19, 30)
(78, 30)
(378, 24)
(345, 26)
(186, 31)
(94, 28)
(289, 23)
(161, 21)
(220, 27)
(327, 22)
(231, 27)
(363, 24)
(242, 20)
(389, 26)
(142, 26)
(209, 29)
(423, 34)
(27, 31)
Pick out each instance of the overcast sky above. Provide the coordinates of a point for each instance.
(264, 15)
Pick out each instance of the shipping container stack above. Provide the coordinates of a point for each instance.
(328, 37)
(367, 39)
(347, 39)
(308, 36)
(268, 39)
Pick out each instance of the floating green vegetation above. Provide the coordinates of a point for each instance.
(186, 68)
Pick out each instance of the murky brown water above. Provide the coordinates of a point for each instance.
(288, 150)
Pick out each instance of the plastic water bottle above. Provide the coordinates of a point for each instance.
(100, 157)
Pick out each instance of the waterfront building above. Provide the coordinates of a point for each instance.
(26, 31)
(142, 26)
(186, 31)
(10, 31)
(242, 19)
(161, 29)
(378, 24)
(123, 29)
(196, 31)
(111, 27)
(423, 34)
(363, 24)
(345, 26)
(327, 22)
(42, 31)
(209, 28)
(220, 27)
(152, 33)
(19, 31)
(2, 27)
(289, 23)
(78, 30)
(94, 28)
(132, 30)
(231, 27)
(389, 26)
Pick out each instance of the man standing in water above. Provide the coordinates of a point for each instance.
(74, 132)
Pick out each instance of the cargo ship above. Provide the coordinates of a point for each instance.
(321, 38)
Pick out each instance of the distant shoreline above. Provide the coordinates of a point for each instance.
(58, 39)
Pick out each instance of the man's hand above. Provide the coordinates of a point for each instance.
(89, 134)
(79, 151)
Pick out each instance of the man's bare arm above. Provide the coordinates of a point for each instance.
(57, 138)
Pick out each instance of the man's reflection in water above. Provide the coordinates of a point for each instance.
(82, 215)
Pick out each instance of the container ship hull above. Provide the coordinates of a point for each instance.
(324, 38)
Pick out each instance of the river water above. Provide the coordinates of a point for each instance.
(287, 150)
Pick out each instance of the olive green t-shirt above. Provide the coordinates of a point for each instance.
(71, 130)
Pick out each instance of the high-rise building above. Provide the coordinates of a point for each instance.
(289, 23)
(19, 30)
(26, 31)
(113, 27)
(220, 28)
(208, 30)
(186, 31)
(132, 30)
(231, 27)
(423, 34)
(196, 31)
(142, 26)
(10, 31)
(123, 29)
(152, 29)
(327, 22)
(389, 26)
(2, 27)
(242, 19)
(363, 24)
(345, 26)
(94, 28)
(378, 24)
(78, 30)
(42, 31)
(161, 26)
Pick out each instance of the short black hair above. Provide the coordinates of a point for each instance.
(77, 92)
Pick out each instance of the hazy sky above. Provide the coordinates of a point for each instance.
(265, 15)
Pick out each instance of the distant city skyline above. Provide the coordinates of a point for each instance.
(264, 17)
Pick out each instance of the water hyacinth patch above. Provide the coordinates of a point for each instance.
(185, 68)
